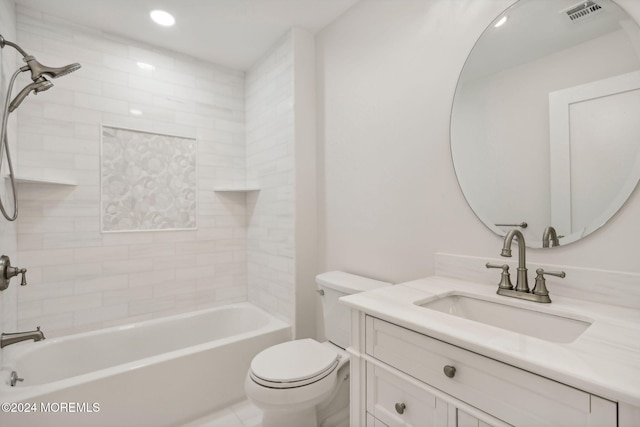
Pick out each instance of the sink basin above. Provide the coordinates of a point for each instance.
(546, 326)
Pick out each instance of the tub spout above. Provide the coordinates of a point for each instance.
(8, 339)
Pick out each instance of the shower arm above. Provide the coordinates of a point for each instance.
(4, 42)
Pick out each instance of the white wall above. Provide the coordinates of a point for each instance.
(306, 207)
(387, 72)
(80, 278)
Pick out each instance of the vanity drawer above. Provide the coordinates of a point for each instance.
(513, 395)
(396, 400)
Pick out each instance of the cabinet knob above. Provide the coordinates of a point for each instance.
(449, 371)
(400, 407)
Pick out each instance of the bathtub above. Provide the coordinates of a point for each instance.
(162, 372)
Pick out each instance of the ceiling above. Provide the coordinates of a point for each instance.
(233, 33)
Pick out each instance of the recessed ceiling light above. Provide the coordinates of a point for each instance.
(135, 112)
(501, 22)
(162, 17)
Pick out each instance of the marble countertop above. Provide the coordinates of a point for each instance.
(604, 360)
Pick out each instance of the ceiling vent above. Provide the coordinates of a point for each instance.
(583, 10)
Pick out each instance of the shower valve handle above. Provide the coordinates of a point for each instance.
(14, 271)
(23, 271)
(7, 272)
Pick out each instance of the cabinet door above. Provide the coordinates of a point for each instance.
(374, 422)
(463, 419)
(398, 403)
(456, 418)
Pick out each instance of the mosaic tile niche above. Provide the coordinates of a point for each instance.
(148, 181)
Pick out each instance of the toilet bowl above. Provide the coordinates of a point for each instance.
(304, 383)
(289, 380)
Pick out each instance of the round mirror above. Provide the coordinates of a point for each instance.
(545, 125)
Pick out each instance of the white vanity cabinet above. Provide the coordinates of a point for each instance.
(406, 378)
(396, 399)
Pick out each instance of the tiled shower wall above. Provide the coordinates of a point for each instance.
(8, 314)
(80, 278)
(270, 161)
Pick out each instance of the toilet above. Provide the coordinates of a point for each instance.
(305, 383)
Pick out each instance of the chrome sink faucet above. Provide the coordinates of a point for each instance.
(522, 282)
(549, 236)
(539, 292)
(12, 338)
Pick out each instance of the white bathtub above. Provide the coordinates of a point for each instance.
(162, 372)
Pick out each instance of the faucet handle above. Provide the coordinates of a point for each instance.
(540, 287)
(14, 271)
(505, 278)
(552, 273)
(7, 271)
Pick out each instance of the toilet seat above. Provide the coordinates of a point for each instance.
(293, 364)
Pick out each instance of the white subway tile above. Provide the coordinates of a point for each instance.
(50, 324)
(171, 262)
(193, 273)
(100, 254)
(126, 295)
(154, 86)
(71, 240)
(102, 283)
(39, 291)
(46, 257)
(66, 304)
(145, 278)
(127, 266)
(70, 271)
(151, 306)
(150, 250)
(173, 288)
(114, 276)
(83, 101)
(99, 314)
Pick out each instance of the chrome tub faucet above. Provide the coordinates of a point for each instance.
(12, 338)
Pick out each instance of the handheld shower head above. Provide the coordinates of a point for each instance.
(38, 73)
(38, 70)
(38, 86)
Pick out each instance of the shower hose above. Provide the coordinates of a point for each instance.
(4, 144)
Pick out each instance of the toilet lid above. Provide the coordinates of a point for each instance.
(294, 362)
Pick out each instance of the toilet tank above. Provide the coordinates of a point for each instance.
(336, 316)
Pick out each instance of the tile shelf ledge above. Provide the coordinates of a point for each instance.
(239, 189)
(21, 179)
